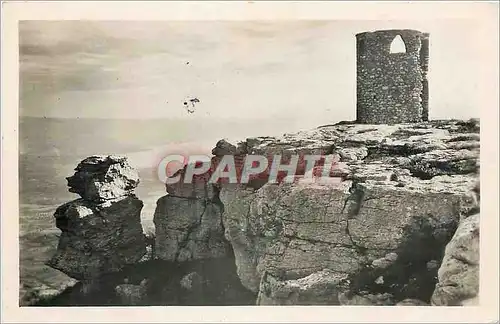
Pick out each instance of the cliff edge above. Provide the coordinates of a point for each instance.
(379, 229)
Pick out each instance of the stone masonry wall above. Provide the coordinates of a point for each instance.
(392, 87)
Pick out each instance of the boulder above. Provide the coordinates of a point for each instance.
(130, 294)
(459, 272)
(101, 178)
(385, 261)
(101, 232)
(319, 288)
(192, 281)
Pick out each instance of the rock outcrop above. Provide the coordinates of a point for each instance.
(403, 190)
(101, 232)
(372, 231)
(45, 291)
(188, 221)
(103, 178)
(459, 272)
(188, 229)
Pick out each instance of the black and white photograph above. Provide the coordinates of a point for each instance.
(251, 162)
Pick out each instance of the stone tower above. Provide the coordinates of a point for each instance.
(392, 82)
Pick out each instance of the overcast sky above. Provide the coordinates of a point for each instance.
(298, 69)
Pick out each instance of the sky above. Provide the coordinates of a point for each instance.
(301, 70)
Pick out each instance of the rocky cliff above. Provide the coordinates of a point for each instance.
(381, 232)
(377, 231)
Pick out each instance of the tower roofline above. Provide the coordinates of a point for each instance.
(393, 31)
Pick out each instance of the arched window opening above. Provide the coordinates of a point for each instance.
(398, 45)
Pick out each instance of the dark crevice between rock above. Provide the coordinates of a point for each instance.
(330, 150)
(150, 239)
(464, 138)
(216, 201)
(410, 276)
(362, 131)
(351, 208)
(360, 249)
(182, 197)
(380, 151)
(316, 241)
(422, 175)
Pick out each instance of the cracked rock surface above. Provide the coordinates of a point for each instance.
(403, 192)
(373, 232)
(188, 229)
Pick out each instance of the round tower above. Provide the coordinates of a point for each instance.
(392, 82)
